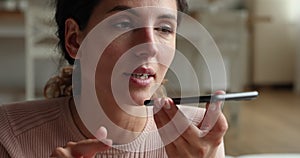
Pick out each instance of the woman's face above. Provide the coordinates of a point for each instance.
(138, 59)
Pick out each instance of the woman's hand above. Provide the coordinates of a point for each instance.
(86, 148)
(184, 139)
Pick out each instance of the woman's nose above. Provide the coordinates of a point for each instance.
(147, 42)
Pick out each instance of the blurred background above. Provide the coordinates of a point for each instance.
(258, 39)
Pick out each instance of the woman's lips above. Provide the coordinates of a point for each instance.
(141, 76)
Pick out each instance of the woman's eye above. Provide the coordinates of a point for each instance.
(165, 29)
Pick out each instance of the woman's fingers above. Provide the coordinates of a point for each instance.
(61, 153)
(166, 129)
(169, 120)
(214, 124)
(182, 137)
(173, 125)
(211, 116)
(215, 135)
(90, 147)
(85, 148)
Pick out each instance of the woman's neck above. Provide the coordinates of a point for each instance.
(131, 126)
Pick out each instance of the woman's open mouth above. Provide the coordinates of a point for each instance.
(141, 76)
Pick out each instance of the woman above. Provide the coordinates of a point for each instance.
(55, 127)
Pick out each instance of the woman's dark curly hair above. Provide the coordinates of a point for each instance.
(80, 11)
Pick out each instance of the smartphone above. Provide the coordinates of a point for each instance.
(211, 98)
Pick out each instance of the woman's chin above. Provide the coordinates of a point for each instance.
(139, 98)
(139, 102)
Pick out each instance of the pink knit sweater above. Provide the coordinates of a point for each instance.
(34, 129)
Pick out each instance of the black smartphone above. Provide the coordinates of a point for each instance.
(211, 98)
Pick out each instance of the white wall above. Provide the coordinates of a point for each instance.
(12, 63)
(274, 47)
(295, 14)
(297, 73)
(216, 5)
(13, 55)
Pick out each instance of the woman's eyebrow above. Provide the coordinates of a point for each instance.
(123, 8)
(167, 16)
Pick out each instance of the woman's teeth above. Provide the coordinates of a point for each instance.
(141, 76)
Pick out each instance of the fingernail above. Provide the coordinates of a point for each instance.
(158, 103)
(101, 133)
(162, 101)
(167, 105)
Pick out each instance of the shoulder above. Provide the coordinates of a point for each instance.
(34, 104)
(19, 120)
(22, 116)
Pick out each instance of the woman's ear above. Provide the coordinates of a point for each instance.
(72, 37)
